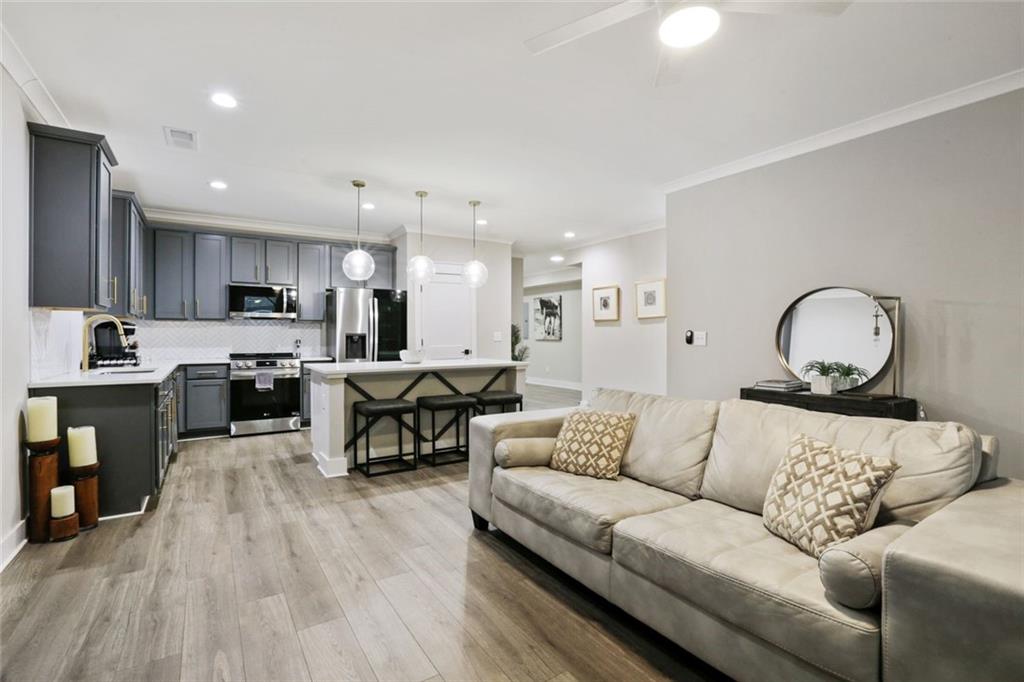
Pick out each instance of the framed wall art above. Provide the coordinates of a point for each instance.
(650, 299)
(606, 303)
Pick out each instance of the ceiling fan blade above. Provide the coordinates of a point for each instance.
(589, 24)
(824, 8)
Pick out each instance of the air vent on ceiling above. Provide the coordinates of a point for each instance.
(179, 138)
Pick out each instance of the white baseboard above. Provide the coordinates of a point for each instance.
(555, 383)
(12, 544)
(330, 467)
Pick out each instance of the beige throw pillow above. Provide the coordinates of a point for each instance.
(592, 443)
(821, 495)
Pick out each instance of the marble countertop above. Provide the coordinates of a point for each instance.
(398, 367)
(147, 373)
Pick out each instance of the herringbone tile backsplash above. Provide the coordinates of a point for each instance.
(167, 340)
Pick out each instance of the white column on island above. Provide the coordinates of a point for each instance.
(328, 423)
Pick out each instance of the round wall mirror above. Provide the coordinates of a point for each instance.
(845, 329)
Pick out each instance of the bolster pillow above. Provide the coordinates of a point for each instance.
(524, 452)
(851, 571)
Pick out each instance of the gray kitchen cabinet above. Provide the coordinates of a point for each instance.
(70, 254)
(128, 262)
(212, 263)
(312, 280)
(172, 274)
(120, 237)
(383, 271)
(306, 400)
(246, 260)
(206, 404)
(280, 262)
(179, 387)
(338, 278)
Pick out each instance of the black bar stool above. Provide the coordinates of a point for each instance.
(462, 406)
(500, 399)
(372, 412)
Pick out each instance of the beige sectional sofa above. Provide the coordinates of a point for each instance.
(934, 591)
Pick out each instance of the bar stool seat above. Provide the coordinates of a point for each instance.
(373, 411)
(462, 406)
(500, 399)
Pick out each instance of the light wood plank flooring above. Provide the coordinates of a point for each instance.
(255, 567)
(543, 397)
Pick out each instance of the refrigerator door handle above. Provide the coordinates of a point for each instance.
(376, 330)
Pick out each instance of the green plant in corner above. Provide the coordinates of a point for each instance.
(819, 367)
(849, 371)
(520, 351)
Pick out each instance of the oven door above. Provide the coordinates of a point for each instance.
(265, 411)
(262, 302)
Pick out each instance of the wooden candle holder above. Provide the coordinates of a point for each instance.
(87, 495)
(42, 478)
(64, 528)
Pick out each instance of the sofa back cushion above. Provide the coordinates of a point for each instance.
(671, 439)
(939, 461)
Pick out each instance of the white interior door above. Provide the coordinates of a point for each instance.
(447, 315)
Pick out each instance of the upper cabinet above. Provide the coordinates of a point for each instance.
(312, 281)
(172, 274)
(127, 225)
(247, 260)
(383, 271)
(211, 277)
(280, 263)
(71, 246)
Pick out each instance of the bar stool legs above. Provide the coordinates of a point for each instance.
(373, 411)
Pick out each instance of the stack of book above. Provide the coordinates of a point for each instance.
(780, 384)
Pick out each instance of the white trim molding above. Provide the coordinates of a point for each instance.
(555, 383)
(24, 75)
(12, 543)
(229, 223)
(403, 230)
(976, 92)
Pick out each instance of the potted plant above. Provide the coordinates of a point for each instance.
(520, 351)
(823, 380)
(848, 375)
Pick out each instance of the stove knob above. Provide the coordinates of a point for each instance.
(248, 364)
(235, 364)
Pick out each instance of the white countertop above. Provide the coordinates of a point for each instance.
(398, 367)
(155, 372)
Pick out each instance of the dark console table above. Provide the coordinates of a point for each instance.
(853, 404)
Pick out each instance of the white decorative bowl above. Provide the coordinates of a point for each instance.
(411, 357)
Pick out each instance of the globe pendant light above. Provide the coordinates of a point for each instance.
(474, 273)
(358, 265)
(421, 269)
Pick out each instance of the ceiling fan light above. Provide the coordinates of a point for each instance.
(689, 26)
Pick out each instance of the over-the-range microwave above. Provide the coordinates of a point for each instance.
(266, 302)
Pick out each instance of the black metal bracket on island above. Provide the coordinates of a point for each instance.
(852, 404)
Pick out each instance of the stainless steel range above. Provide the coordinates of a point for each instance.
(266, 393)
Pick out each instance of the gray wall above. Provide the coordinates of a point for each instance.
(557, 363)
(931, 211)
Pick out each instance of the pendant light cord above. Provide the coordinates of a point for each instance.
(421, 224)
(359, 208)
(474, 231)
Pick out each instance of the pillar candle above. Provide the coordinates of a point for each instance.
(81, 445)
(42, 419)
(62, 501)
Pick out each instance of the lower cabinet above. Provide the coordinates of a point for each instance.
(206, 404)
(305, 396)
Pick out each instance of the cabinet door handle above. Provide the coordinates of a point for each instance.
(145, 304)
(184, 308)
(196, 308)
(256, 272)
(115, 289)
(134, 302)
(207, 373)
(268, 273)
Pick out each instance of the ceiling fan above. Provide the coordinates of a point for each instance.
(683, 24)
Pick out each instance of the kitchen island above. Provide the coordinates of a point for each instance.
(335, 386)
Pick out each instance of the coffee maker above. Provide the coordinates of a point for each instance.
(107, 350)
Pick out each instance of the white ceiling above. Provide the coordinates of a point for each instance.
(444, 97)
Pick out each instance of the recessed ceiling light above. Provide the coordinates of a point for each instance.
(223, 99)
(481, 221)
(557, 259)
(368, 206)
(218, 184)
(569, 235)
(689, 26)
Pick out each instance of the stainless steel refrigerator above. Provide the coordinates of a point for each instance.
(364, 324)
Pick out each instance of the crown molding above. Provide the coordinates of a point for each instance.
(230, 223)
(403, 230)
(954, 99)
(38, 97)
(572, 245)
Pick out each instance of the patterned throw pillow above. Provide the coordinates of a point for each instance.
(592, 443)
(821, 495)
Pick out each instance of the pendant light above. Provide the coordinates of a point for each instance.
(358, 265)
(421, 269)
(474, 273)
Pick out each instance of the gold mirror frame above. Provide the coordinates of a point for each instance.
(891, 361)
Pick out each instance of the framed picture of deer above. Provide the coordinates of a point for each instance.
(547, 318)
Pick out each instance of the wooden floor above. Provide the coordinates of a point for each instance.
(255, 567)
(543, 397)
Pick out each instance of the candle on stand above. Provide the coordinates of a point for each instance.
(81, 445)
(42, 419)
(62, 501)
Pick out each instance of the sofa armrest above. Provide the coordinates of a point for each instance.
(953, 590)
(851, 571)
(486, 431)
(524, 452)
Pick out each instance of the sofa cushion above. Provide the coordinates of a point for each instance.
(851, 571)
(821, 495)
(724, 561)
(592, 442)
(581, 508)
(939, 461)
(524, 452)
(671, 439)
